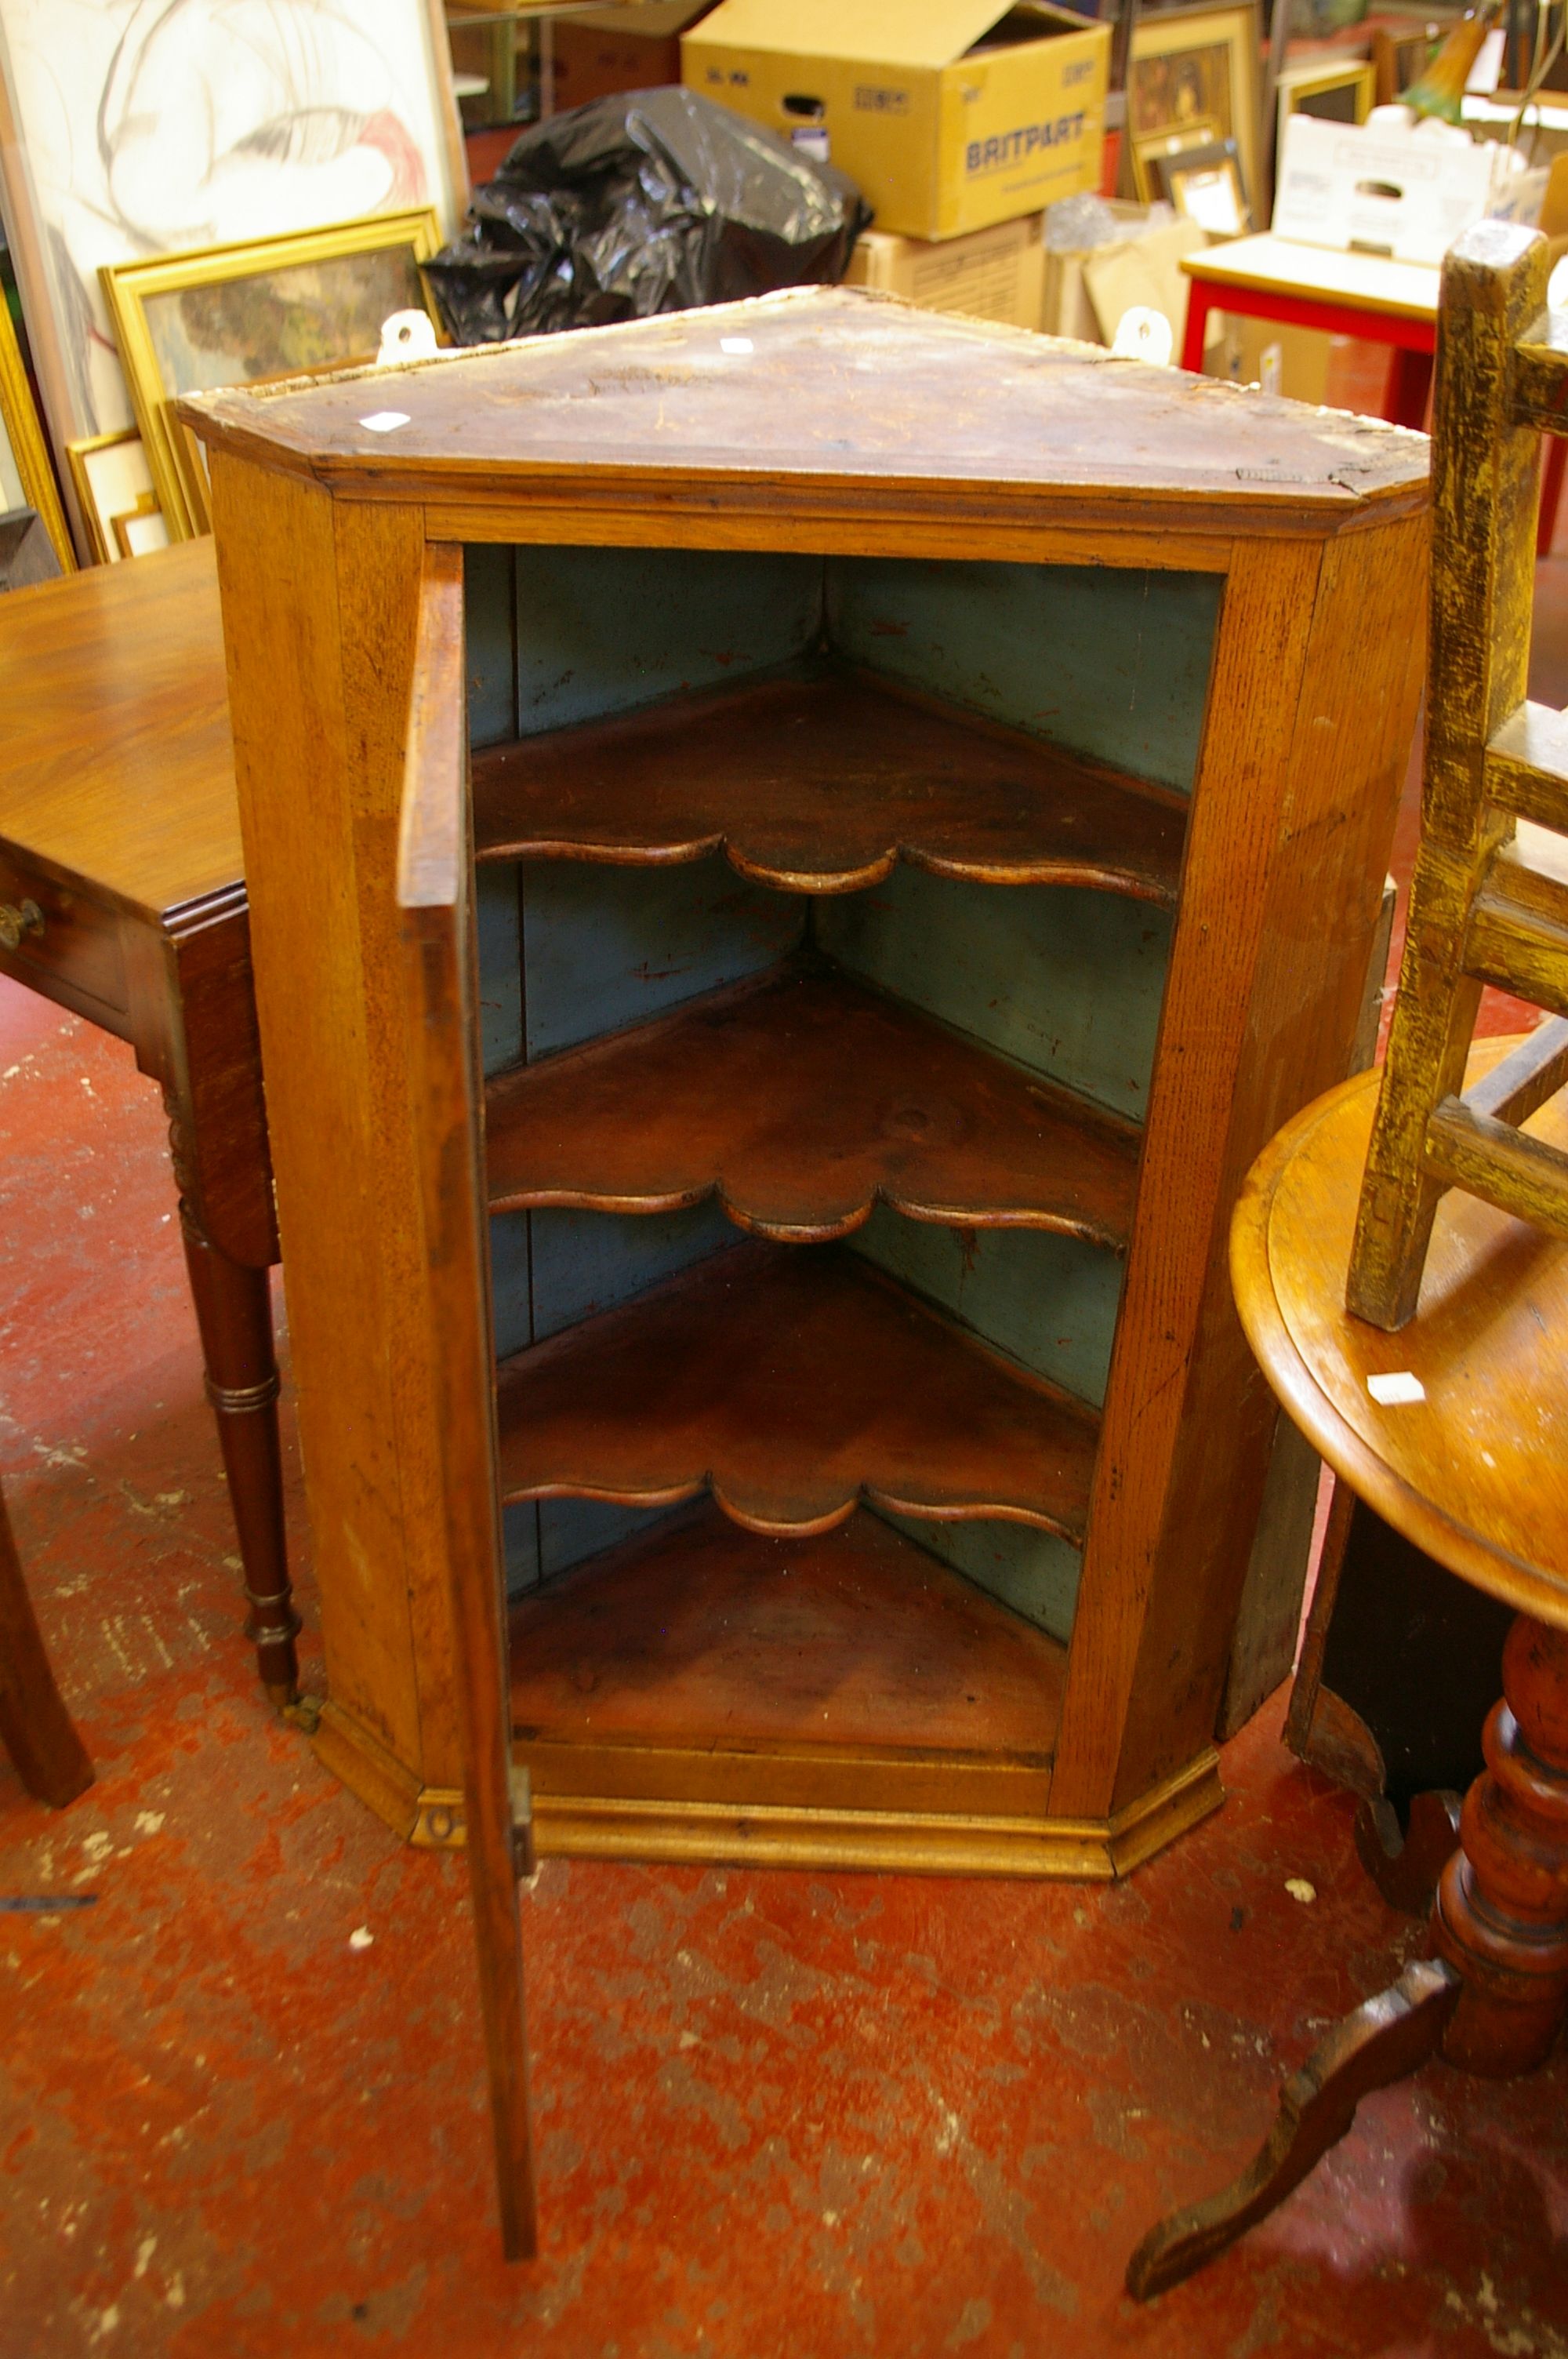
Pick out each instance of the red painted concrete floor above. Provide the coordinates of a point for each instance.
(781, 2117)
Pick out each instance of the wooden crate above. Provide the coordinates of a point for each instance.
(929, 792)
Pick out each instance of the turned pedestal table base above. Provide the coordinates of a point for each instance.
(1472, 1464)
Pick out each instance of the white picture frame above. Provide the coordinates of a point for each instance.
(117, 496)
(130, 128)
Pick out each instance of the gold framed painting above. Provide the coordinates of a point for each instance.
(247, 313)
(27, 478)
(116, 494)
(139, 127)
(1336, 90)
(1193, 79)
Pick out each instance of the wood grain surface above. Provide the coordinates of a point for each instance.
(1477, 1471)
(1310, 718)
(119, 762)
(822, 386)
(800, 1104)
(792, 1382)
(869, 431)
(819, 783)
(703, 1633)
(1486, 487)
(434, 883)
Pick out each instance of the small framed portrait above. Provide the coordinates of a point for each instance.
(1204, 184)
(116, 493)
(246, 314)
(1193, 81)
(27, 478)
(1152, 156)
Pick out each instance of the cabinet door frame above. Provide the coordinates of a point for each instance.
(434, 895)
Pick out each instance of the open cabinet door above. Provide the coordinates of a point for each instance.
(435, 892)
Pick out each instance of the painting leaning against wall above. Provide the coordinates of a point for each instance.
(141, 127)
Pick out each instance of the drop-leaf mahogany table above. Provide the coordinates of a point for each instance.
(123, 897)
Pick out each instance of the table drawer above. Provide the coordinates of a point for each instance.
(78, 944)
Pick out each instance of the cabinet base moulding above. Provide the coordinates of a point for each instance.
(908, 1843)
(904, 1843)
(737, 1832)
(361, 1762)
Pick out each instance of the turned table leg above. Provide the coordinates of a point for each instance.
(1493, 1998)
(1501, 1916)
(36, 1729)
(233, 1311)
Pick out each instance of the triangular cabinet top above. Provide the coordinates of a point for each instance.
(826, 392)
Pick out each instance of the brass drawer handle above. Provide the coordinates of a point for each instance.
(16, 919)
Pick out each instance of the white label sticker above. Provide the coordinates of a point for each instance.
(1397, 1390)
(736, 345)
(384, 422)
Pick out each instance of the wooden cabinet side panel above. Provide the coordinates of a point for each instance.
(1264, 625)
(317, 859)
(1357, 719)
(1284, 875)
(382, 557)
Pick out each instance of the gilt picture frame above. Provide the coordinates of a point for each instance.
(249, 313)
(117, 496)
(1194, 77)
(1204, 185)
(1336, 90)
(27, 477)
(137, 128)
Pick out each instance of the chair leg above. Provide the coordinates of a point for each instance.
(1429, 1040)
(233, 1311)
(1553, 461)
(34, 1726)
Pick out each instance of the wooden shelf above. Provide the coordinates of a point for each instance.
(800, 1103)
(791, 1382)
(818, 782)
(703, 1635)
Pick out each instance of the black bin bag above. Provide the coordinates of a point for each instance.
(650, 201)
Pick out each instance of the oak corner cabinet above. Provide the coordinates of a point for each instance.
(901, 808)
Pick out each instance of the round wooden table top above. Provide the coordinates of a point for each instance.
(1474, 1468)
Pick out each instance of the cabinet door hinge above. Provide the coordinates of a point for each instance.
(523, 1854)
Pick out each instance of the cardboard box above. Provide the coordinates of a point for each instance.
(992, 274)
(606, 51)
(1377, 190)
(1145, 274)
(1065, 309)
(950, 115)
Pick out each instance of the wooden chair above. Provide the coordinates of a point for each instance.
(1467, 1458)
(1489, 894)
(34, 1726)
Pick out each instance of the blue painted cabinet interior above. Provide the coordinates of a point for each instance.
(1066, 983)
